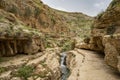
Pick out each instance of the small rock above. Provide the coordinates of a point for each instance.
(30, 78)
(39, 78)
(16, 78)
(5, 75)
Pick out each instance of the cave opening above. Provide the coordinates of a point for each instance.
(12, 47)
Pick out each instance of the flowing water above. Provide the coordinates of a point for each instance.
(65, 71)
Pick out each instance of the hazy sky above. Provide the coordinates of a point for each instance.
(89, 7)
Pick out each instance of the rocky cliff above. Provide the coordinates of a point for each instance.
(106, 34)
(16, 37)
(24, 24)
(37, 15)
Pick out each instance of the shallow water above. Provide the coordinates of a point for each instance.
(64, 69)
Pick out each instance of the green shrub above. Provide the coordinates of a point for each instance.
(53, 20)
(2, 69)
(111, 30)
(100, 15)
(113, 3)
(1, 60)
(36, 12)
(68, 45)
(13, 9)
(28, 12)
(25, 72)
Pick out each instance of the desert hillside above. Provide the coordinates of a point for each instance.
(32, 19)
(38, 42)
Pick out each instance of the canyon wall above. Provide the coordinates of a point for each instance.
(24, 25)
(106, 35)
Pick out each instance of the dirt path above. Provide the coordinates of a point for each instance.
(91, 66)
(84, 65)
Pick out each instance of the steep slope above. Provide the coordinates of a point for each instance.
(16, 37)
(34, 14)
(106, 34)
(78, 23)
(32, 21)
(37, 15)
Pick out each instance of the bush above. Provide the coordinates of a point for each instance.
(111, 30)
(36, 12)
(2, 69)
(13, 9)
(28, 12)
(113, 3)
(100, 15)
(25, 72)
(68, 45)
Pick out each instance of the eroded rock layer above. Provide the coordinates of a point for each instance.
(16, 37)
(106, 34)
(23, 22)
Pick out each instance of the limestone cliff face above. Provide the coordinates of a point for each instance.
(34, 14)
(37, 15)
(107, 26)
(23, 24)
(15, 36)
(106, 34)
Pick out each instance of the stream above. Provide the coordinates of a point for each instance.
(65, 71)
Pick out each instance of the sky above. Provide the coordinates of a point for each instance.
(89, 7)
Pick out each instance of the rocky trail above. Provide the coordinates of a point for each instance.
(83, 65)
(89, 65)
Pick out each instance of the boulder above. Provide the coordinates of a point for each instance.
(112, 50)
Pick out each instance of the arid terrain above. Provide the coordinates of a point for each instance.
(38, 42)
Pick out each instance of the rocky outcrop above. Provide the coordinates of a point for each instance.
(90, 43)
(105, 34)
(16, 37)
(17, 46)
(112, 50)
(41, 66)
